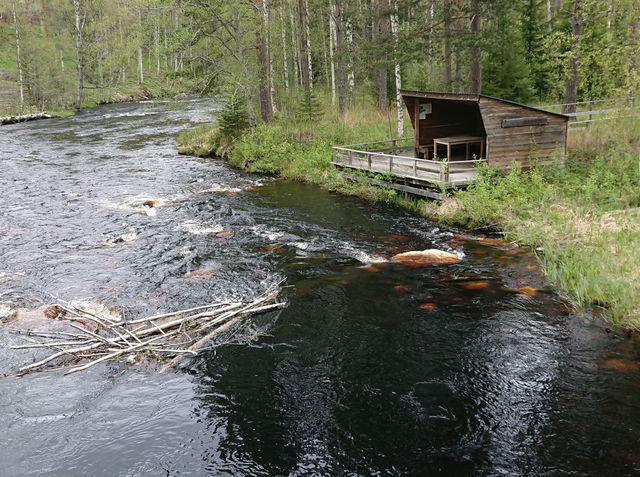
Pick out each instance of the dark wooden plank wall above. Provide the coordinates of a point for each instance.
(505, 145)
(448, 118)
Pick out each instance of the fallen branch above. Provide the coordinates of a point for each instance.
(172, 335)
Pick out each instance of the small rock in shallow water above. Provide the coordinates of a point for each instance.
(528, 291)
(623, 365)
(124, 238)
(200, 274)
(427, 257)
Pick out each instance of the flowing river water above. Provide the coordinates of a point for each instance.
(373, 369)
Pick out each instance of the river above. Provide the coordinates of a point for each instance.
(373, 368)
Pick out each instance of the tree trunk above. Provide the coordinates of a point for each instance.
(156, 43)
(571, 95)
(263, 64)
(305, 46)
(297, 65)
(351, 75)
(308, 38)
(448, 85)
(476, 53)
(380, 39)
(78, 32)
(267, 24)
(340, 50)
(634, 34)
(430, 17)
(332, 45)
(548, 13)
(139, 51)
(285, 60)
(396, 69)
(18, 58)
(44, 21)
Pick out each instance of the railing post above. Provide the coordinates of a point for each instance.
(369, 161)
(415, 168)
(390, 163)
(444, 171)
(350, 158)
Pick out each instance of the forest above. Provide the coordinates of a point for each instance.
(60, 54)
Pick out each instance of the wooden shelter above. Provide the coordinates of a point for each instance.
(458, 126)
(453, 134)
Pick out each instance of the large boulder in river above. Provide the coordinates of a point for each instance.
(424, 258)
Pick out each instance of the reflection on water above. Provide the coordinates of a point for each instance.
(375, 368)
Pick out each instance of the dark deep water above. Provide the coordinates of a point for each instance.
(373, 369)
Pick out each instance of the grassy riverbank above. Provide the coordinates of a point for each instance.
(583, 219)
(153, 88)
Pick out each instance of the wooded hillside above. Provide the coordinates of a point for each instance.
(268, 51)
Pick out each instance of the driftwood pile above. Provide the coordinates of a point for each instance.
(170, 335)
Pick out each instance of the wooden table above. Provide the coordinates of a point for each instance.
(455, 141)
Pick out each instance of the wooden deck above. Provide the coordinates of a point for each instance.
(395, 160)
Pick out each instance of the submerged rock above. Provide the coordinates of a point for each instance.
(623, 365)
(427, 257)
(7, 313)
(119, 239)
(201, 274)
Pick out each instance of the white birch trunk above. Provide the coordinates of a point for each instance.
(266, 12)
(156, 41)
(285, 60)
(18, 58)
(79, 28)
(332, 43)
(351, 77)
(394, 34)
(140, 68)
(308, 42)
(296, 52)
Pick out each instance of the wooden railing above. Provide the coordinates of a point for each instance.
(371, 158)
(598, 110)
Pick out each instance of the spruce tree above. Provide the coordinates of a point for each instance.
(233, 119)
(309, 109)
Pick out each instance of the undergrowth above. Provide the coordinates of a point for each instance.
(582, 216)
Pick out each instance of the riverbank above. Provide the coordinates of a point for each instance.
(582, 220)
(153, 88)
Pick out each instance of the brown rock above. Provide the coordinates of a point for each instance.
(197, 274)
(425, 258)
(54, 311)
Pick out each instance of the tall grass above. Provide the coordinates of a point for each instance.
(582, 217)
(295, 148)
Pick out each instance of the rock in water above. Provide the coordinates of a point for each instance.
(425, 258)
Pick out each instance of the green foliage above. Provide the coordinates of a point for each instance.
(233, 120)
(507, 72)
(583, 217)
(310, 109)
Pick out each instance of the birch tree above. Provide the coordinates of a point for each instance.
(571, 95)
(396, 69)
(80, 18)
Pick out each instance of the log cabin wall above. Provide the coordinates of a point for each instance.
(518, 133)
